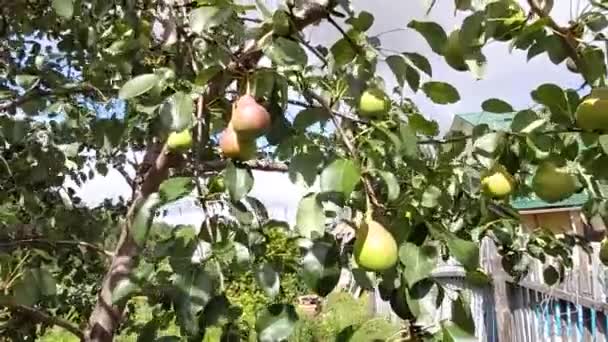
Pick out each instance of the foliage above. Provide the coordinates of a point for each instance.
(91, 88)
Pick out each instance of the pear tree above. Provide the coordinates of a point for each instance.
(186, 98)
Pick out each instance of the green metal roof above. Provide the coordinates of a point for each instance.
(503, 122)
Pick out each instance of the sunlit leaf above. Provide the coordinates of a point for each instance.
(175, 188)
(285, 51)
(238, 181)
(310, 218)
(464, 251)
(176, 112)
(419, 261)
(206, 17)
(138, 86)
(63, 8)
(342, 175)
(143, 218)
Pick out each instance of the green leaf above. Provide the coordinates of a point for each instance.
(593, 64)
(206, 17)
(441, 92)
(555, 48)
(343, 52)
(398, 66)
(303, 168)
(46, 282)
(464, 251)
(453, 333)
(138, 86)
(175, 188)
(419, 261)
(363, 22)
(430, 197)
(412, 76)
(34, 284)
(526, 121)
(409, 140)
(392, 185)
(420, 124)
(268, 279)
(308, 117)
(176, 112)
(461, 314)
(238, 181)
(555, 98)
(285, 51)
(321, 267)
(276, 322)
(63, 8)
(420, 62)
(496, 106)
(342, 175)
(26, 81)
(432, 32)
(195, 288)
(595, 21)
(207, 74)
(144, 217)
(125, 288)
(25, 290)
(310, 217)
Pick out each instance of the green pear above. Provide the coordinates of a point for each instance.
(179, 141)
(592, 114)
(373, 103)
(552, 184)
(375, 247)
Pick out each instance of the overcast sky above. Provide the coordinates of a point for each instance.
(508, 76)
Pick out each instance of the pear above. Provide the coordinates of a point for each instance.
(599, 93)
(249, 118)
(592, 114)
(373, 103)
(179, 141)
(499, 184)
(375, 247)
(552, 184)
(235, 147)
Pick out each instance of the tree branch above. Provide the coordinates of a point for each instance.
(563, 32)
(43, 317)
(36, 92)
(84, 244)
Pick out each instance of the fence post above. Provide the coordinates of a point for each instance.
(504, 317)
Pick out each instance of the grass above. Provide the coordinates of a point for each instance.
(339, 312)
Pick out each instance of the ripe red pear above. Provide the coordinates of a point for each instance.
(249, 118)
(235, 147)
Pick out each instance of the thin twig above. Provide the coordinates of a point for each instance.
(84, 244)
(355, 46)
(562, 32)
(314, 51)
(44, 317)
(369, 189)
(342, 115)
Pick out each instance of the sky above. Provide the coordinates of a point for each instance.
(508, 76)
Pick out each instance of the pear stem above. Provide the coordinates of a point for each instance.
(369, 209)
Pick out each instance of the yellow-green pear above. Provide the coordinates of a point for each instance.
(373, 103)
(375, 247)
(592, 114)
(498, 184)
(179, 141)
(551, 184)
